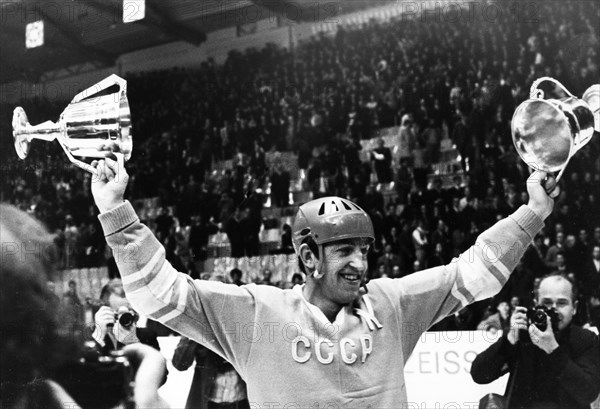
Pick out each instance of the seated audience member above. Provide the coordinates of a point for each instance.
(236, 276)
(500, 321)
(553, 367)
(36, 354)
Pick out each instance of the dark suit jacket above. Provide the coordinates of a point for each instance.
(591, 278)
(569, 377)
(145, 335)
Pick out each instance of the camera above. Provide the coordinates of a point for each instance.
(126, 319)
(537, 316)
(98, 381)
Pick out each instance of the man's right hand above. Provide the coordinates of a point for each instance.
(109, 184)
(518, 322)
(542, 189)
(104, 317)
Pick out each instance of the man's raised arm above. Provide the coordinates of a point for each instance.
(204, 311)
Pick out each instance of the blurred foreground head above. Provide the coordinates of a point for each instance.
(30, 345)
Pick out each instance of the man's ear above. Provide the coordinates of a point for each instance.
(575, 305)
(307, 257)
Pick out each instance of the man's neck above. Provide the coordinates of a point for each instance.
(313, 295)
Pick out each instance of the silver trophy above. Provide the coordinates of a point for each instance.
(552, 125)
(96, 116)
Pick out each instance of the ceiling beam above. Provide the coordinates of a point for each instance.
(70, 36)
(174, 28)
(156, 17)
(303, 11)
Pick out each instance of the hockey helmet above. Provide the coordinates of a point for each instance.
(330, 219)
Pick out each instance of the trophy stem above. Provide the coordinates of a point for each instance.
(47, 131)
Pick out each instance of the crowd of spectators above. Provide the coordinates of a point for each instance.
(431, 76)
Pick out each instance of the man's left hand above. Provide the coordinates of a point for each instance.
(544, 340)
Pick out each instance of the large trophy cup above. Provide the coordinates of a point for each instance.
(96, 116)
(552, 125)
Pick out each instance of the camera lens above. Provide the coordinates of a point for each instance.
(126, 319)
(539, 319)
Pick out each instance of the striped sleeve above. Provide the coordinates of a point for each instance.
(209, 313)
(480, 272)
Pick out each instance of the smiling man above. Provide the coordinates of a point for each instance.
(334, 341)
(550, 368)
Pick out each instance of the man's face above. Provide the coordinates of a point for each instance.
(557, 292)
(344, 267)
(596, 253)
(118, 303)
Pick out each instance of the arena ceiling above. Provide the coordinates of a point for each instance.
(91, 33)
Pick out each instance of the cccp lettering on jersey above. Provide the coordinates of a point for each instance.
(326, 351)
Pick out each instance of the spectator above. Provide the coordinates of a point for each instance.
(280, 186)
(74, 311)
(235, 234)
(215, 383)
(36, 362)
(236, 276)
(250, 228)
(592, 271)
(500, 321)
(267, 276)
(388, 261)
(286, 239)
(116, 322)
(553, 250)
(406, 140)
(382, 162)
(571, 353)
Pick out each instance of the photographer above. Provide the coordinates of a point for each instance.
(552, 363)
(36, 353)
(116, 321)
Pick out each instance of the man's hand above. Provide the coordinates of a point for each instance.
(542, 190)
(518, 321)
(543, 340)
(109, 184)
(103, 318)
(150, 368)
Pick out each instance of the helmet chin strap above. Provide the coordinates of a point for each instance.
(363, 282)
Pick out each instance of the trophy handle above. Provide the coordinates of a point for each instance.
(536, 93)
(80, 163)
(109, 81)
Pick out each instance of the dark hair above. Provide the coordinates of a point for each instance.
(32, 343)
(114, 286)
(235, 271)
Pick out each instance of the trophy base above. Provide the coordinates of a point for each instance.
(19, 124)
